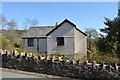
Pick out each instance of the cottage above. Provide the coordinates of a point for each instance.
(64, 38)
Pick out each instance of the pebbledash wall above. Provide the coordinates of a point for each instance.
(66, 30)
(80, 44)
(75, 41)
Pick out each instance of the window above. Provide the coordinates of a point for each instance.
(30, 42)
(60, 41)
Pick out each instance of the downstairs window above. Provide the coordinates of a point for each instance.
(31, 42)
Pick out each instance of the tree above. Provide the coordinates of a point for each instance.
(26, 23)
(3, 21)
(34, 22)
(112, 37)
(92, 34)
(12, 26)
(30, 23)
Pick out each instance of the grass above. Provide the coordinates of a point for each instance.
(104, 58)
(28, 51)
(6, 44)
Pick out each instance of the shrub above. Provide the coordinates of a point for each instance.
(18, 45)
(104, 58)
(6, 44)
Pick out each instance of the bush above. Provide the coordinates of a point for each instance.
(18, 45)
(6, 44)
(104, 58)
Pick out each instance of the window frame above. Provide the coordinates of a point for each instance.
(60, 41)
(29, 42)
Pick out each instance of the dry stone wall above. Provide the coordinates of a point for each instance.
(58, 66)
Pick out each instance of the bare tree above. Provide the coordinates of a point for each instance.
(34, 22)
(92, 34)
(3, 21)
(30, 23)
(26, 23)
(12, 26)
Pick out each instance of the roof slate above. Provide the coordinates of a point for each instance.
(38, 31)
(44, 31)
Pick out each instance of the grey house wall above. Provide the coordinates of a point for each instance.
(33, 48)
(66, 30)
(43, 45)
(42, 42)
(80, 44)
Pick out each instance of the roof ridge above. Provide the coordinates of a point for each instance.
(43, 27)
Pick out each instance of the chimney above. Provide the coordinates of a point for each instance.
(56, 24)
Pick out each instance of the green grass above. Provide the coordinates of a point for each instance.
(104, 58)
(6, 44)
(28, 51)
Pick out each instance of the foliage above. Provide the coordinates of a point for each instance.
(17, 34)
(6, 44)
(12, 25)
(104, 58)
(18, 44)
(102, 46)
(110, 42)
(92, 37)
(27, 51)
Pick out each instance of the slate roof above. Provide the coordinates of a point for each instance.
(38, 31)
(44, 31)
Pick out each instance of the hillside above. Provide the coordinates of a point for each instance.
(17, 34)
(5, 43)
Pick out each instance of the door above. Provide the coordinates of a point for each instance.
(42, 45)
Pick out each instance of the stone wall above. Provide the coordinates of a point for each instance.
(58, 66)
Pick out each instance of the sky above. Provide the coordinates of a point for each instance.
(83, 14)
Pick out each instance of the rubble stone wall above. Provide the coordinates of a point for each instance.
(60, 67)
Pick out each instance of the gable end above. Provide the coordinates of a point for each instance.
(63, 23)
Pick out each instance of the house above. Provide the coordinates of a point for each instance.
(64, 38)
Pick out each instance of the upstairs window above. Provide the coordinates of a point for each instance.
(30, 42)
(60, 41)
